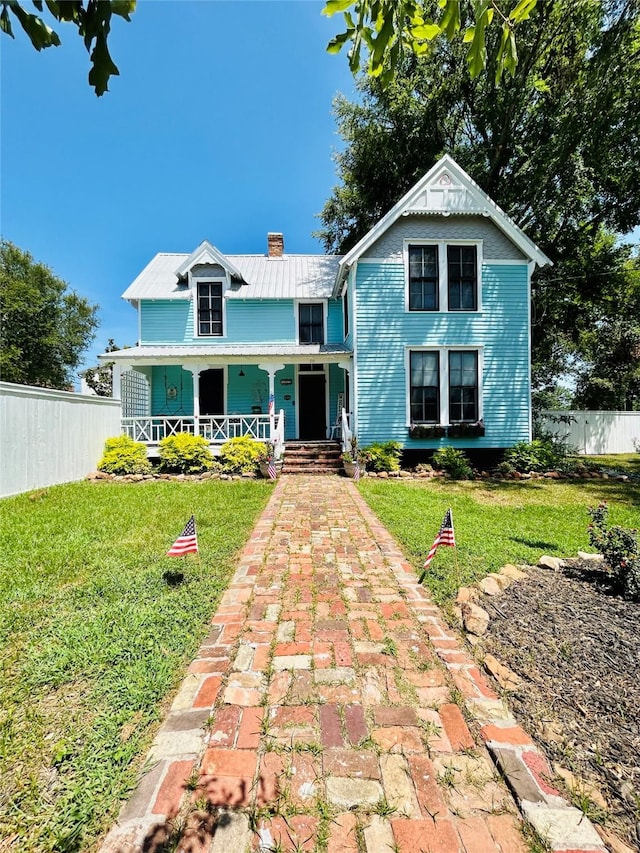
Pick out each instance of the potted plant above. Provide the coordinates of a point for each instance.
(427, 431)
(270, 467)
(466, 430)
(352, 460)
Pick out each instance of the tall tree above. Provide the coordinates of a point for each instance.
(555, 146)
(44, 327)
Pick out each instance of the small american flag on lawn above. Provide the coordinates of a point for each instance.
(271, 469)
(356, 471)
(187, 542)
(445, 537)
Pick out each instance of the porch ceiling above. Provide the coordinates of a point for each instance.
(292, 354)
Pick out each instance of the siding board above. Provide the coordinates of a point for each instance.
(385, 330)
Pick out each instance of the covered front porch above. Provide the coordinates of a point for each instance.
(300, 395)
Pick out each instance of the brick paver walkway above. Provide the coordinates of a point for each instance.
(323, 711)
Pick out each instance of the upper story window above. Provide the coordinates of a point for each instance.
(423, 278)
(210, 308)
(311, 323)
(462, 278)
(443, 276)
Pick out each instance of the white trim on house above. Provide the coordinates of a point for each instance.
(207, 254)
(445, 189)
(443, 277)
(443, 375)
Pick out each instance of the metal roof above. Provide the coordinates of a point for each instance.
(288, 277)
(230, 352)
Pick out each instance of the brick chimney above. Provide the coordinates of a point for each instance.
(275, 244)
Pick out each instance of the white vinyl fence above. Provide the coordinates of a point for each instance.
(594, 433)
(49, 437)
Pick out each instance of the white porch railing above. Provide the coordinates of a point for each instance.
(215, 428)
(346, 433)
(278, 435)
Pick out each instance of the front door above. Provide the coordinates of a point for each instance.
(212, 392)
(312, 406)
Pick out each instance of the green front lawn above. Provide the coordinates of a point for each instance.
(96, 629)
(495, 522)
(626, 463)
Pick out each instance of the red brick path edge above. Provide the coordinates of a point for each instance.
(330, 707)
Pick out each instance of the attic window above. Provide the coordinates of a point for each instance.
(210, 308)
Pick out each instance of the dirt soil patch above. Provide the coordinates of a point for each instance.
(576, 647)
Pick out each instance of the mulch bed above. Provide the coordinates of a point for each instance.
(576, 647)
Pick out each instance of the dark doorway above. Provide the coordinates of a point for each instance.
(312, 406)
(212, 392)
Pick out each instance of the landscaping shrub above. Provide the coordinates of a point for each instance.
(383, 457)
(541, 454)
(453, 462)
(123, 455)
(241, 455)
(621, 551)
(184, 453)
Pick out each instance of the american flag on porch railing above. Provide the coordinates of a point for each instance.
(272, 404)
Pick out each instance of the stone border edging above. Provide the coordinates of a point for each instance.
(522, 764)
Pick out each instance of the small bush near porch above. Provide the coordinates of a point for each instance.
(96, 630)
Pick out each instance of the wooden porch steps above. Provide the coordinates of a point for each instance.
(312, 457)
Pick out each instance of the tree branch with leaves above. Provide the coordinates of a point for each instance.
(92, 20)
(387, 30)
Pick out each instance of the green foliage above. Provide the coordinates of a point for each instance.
(496, 522)
(184, 453)
(100, 379)
(453, 462)
(44, 327)
(241, 455)
(541, 454)
(620, 548)
(94, 641)
(388, 29)
(382, 456)
(554, 146)
(91, 19)
(123, 455)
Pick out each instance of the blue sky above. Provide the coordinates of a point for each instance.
(219, 127)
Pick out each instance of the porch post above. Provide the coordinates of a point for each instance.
(119, 367)
(271, 369)
(116, 381)
(194, 370)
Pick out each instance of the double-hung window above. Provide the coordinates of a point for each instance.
(462, 278)
(425, 387)
(443, 276)
(423, 278)
(210, 308)
(444, 386)
(463, 386)
(311, 323)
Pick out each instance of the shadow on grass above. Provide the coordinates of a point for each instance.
(535, 543)
(172, 577)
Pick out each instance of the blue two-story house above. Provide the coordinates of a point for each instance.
(421, 333)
